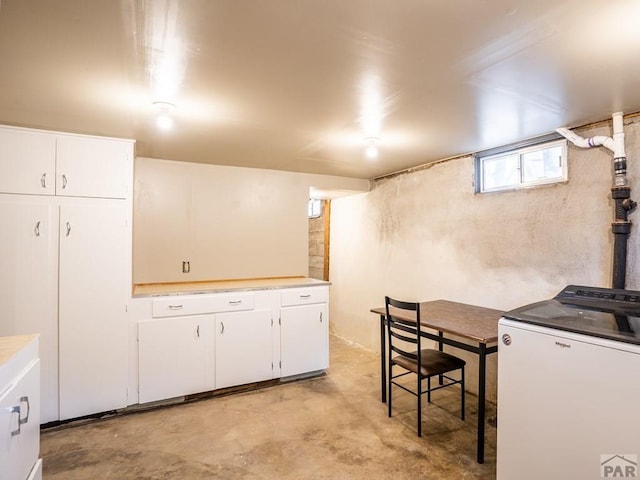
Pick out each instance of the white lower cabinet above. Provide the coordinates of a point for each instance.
(36, 471)
(20, 413)
(200, 342)
(304, 339)
(175, 357)
(244, 352)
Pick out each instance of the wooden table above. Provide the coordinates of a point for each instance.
(477, 326)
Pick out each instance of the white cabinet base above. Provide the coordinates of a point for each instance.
(196, 343)
(19, 406)
(36, 471)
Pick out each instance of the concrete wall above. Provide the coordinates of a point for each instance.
(316, 247)
(426, 235)
(318, 242)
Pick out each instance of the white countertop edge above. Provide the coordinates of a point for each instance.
(174, 289)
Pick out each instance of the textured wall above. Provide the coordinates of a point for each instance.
(426, 235)
(316, 246)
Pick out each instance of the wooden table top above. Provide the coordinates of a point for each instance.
(468, 321)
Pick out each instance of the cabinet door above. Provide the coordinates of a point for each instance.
(175, 357)
(304, 339)
(93, 292)
(27, 162)
(29, 283)
(243, 347)
(93, 167)
(20, 425)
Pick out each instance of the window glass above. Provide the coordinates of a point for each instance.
(542, 164)
(522, 167)
(315, 208)
(500, 171)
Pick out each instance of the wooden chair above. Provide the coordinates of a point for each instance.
(405, 351)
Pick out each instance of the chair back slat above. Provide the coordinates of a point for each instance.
(403, 333)
(403, 328)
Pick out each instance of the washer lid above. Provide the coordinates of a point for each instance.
(597, 312)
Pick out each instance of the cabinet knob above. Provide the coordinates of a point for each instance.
(221, 327)
(68, 229)
(43, 180)
(64, 181)
(37, 229)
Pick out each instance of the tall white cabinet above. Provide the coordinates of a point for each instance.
(65, 263)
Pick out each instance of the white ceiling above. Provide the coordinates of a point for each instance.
(295, 84)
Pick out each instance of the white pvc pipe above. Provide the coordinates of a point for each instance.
(615, 144)
(618, 136)
(578, 141)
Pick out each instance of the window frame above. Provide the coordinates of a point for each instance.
(520, 149)
(310, 208)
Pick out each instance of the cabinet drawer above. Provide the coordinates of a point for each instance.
(303, 296)
(20, 424)
(180, 305)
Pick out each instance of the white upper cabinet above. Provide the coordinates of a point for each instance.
(27, 162)
(92, 167)
(46, 163)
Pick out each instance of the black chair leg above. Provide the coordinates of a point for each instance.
(419, 405)
(389, 389)
(463, 393)
(429, 389)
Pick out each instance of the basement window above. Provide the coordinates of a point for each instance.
(315, 208)
(511, 168)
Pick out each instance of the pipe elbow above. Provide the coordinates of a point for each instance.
(600, 140)
(577, 140)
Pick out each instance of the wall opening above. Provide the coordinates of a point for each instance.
(319, 229)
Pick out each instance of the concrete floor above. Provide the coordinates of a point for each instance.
(330, 427)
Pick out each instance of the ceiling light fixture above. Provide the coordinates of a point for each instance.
(372, 147)
(164, 121)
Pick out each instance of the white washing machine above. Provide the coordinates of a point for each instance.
(569, 387)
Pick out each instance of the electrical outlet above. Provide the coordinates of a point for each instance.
(186, 266)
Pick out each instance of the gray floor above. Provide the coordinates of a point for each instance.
(329, 427)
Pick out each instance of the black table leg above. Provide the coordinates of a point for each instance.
(482, 373)
(440, 347)
(383, 357)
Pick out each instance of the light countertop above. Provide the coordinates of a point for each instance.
(9, 346)
(215, 286)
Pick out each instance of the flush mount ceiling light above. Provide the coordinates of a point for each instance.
(164, 120)
(372, 147)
